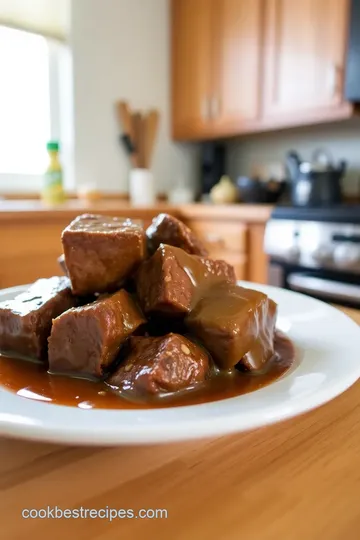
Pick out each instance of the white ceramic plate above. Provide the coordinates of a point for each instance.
(328, 343)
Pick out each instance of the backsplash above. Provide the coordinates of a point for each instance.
(129, 59)
(342, 141)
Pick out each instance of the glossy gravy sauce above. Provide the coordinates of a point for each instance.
(31, 380)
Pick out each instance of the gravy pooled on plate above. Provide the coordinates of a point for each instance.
(31, 380)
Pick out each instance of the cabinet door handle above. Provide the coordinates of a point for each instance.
(205, 108)
(334, 79)
(214, 107)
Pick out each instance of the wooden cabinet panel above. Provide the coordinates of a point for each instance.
(240, 67)
(237, 54)
(226, 241)
(240, 244)
(191, 65)
(29, 249)
(257, 258)
(238, 260)
(29, 252)
(304, 55)
(221, 236)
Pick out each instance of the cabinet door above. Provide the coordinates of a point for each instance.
(258, 260)
(237, 62)
(304, 55)
(191, 66)
(225, 241)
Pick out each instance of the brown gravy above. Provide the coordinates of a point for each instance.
(31, 380)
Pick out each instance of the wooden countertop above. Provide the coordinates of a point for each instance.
(298, 480)
(25, 210)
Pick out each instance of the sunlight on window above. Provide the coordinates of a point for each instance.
(24, 102)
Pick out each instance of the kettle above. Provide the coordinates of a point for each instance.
(316, 183)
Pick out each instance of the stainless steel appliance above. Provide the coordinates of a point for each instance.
(316, 251)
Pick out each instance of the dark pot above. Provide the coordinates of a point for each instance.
(252, 190)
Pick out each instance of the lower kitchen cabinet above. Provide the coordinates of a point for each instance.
(225, 240)
(31, 244)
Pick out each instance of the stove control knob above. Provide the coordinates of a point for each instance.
(347, 255)
(322, 254)
(293, 254)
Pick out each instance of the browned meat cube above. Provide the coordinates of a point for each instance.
(101, 252)
(235, 324)
(25, 322)
(161, 364)
(216, 270)
(166, 229)
(163, 284)
(87, 339)
(169, 281)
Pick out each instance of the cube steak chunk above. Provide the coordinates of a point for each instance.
(166, 229)
(235, 324)
(169, 281)
(160, 365)
(86, 340)
(102, 252)
(25, 322)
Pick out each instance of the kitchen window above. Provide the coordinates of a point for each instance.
(35, 106)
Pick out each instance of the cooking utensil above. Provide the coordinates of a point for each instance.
(136, 119)
(315, 183)
(151, 121)
(254, 190)
(139, 133)
(125, 123)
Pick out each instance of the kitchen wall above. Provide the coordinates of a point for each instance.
(343, 142)
(121, 51)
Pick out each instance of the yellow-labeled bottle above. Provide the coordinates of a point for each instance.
(53, 191)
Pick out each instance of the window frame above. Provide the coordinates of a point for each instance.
(61, 128)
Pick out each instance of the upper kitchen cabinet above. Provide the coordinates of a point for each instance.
(235, 98)
(215, 66)
(304, 59)
(191, 66)
(241, 66)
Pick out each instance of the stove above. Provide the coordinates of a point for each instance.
(316, 251)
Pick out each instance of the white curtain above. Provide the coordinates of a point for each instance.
(50, 18)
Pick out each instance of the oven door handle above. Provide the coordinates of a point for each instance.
(333, 290)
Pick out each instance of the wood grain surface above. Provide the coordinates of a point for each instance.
(30, 234)
(297, 480)
(27, 211)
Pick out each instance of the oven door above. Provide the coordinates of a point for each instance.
(334, 287)
(337, 292)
